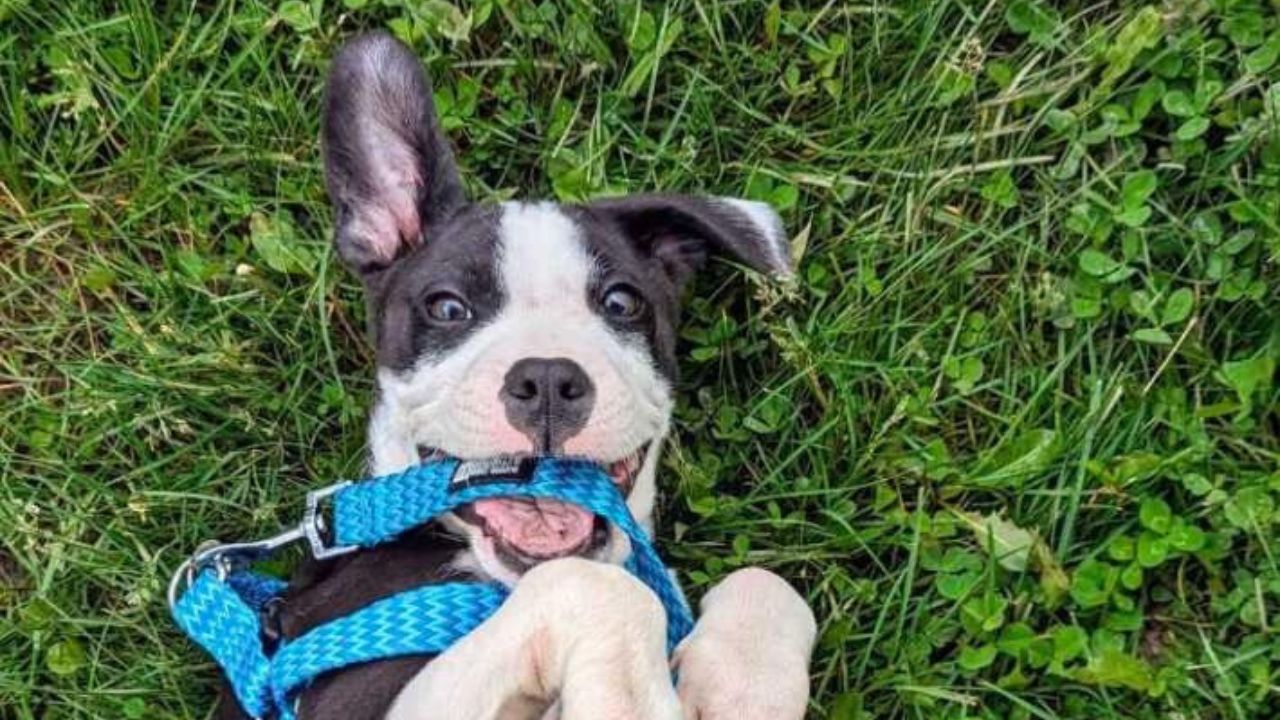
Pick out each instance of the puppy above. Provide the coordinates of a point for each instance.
(529, 328)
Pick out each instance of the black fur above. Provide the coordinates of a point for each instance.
(680, 231)
(324, 591)
(461, 261)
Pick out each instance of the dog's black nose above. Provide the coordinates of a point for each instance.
(548, 399)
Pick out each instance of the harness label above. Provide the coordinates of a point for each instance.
(489, 471)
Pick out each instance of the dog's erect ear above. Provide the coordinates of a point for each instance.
(389, 169)
(681, 231)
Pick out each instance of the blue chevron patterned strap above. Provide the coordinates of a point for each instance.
(424, 620)
(373, 512)
(369, 513)
(226, 624)
(220, 609)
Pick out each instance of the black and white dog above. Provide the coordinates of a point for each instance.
(530, 328)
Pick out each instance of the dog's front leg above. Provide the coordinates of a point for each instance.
(585, 636)
(748, 655)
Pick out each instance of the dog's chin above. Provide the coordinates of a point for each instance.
(507, 537)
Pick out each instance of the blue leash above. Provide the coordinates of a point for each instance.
(223, 601)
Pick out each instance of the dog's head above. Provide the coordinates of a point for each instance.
(513, 328)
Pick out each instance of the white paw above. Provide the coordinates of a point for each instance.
(721, 679)
(606, 646)
(748, 656)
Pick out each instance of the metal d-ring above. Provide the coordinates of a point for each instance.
(210, 553)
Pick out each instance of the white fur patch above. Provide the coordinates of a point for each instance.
(767, 222)
(452, 402)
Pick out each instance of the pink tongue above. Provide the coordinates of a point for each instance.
(537, 527)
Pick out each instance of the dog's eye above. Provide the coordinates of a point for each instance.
(622, 302)
(447, 308)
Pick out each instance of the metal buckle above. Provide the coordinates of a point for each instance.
(226, 556)
(313, 525)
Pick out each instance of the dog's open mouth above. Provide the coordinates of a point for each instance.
(527, 531)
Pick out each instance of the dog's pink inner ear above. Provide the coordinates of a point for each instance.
(407, 223)
(390, 209)
(391, 227)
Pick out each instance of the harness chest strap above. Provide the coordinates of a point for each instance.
(221, 608)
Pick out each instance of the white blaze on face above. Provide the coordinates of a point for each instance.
(452, 401)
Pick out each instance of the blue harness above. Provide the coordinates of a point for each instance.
(219, 603)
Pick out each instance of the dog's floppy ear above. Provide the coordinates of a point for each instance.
(682, 230)
(390, 172)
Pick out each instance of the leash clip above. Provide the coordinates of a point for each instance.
(226, 557)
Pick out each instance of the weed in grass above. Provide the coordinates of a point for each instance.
(1014, 431)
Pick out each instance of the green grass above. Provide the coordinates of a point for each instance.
(1014, 433)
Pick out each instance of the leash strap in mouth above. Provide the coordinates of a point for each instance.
(223, 602)
(370, 513)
